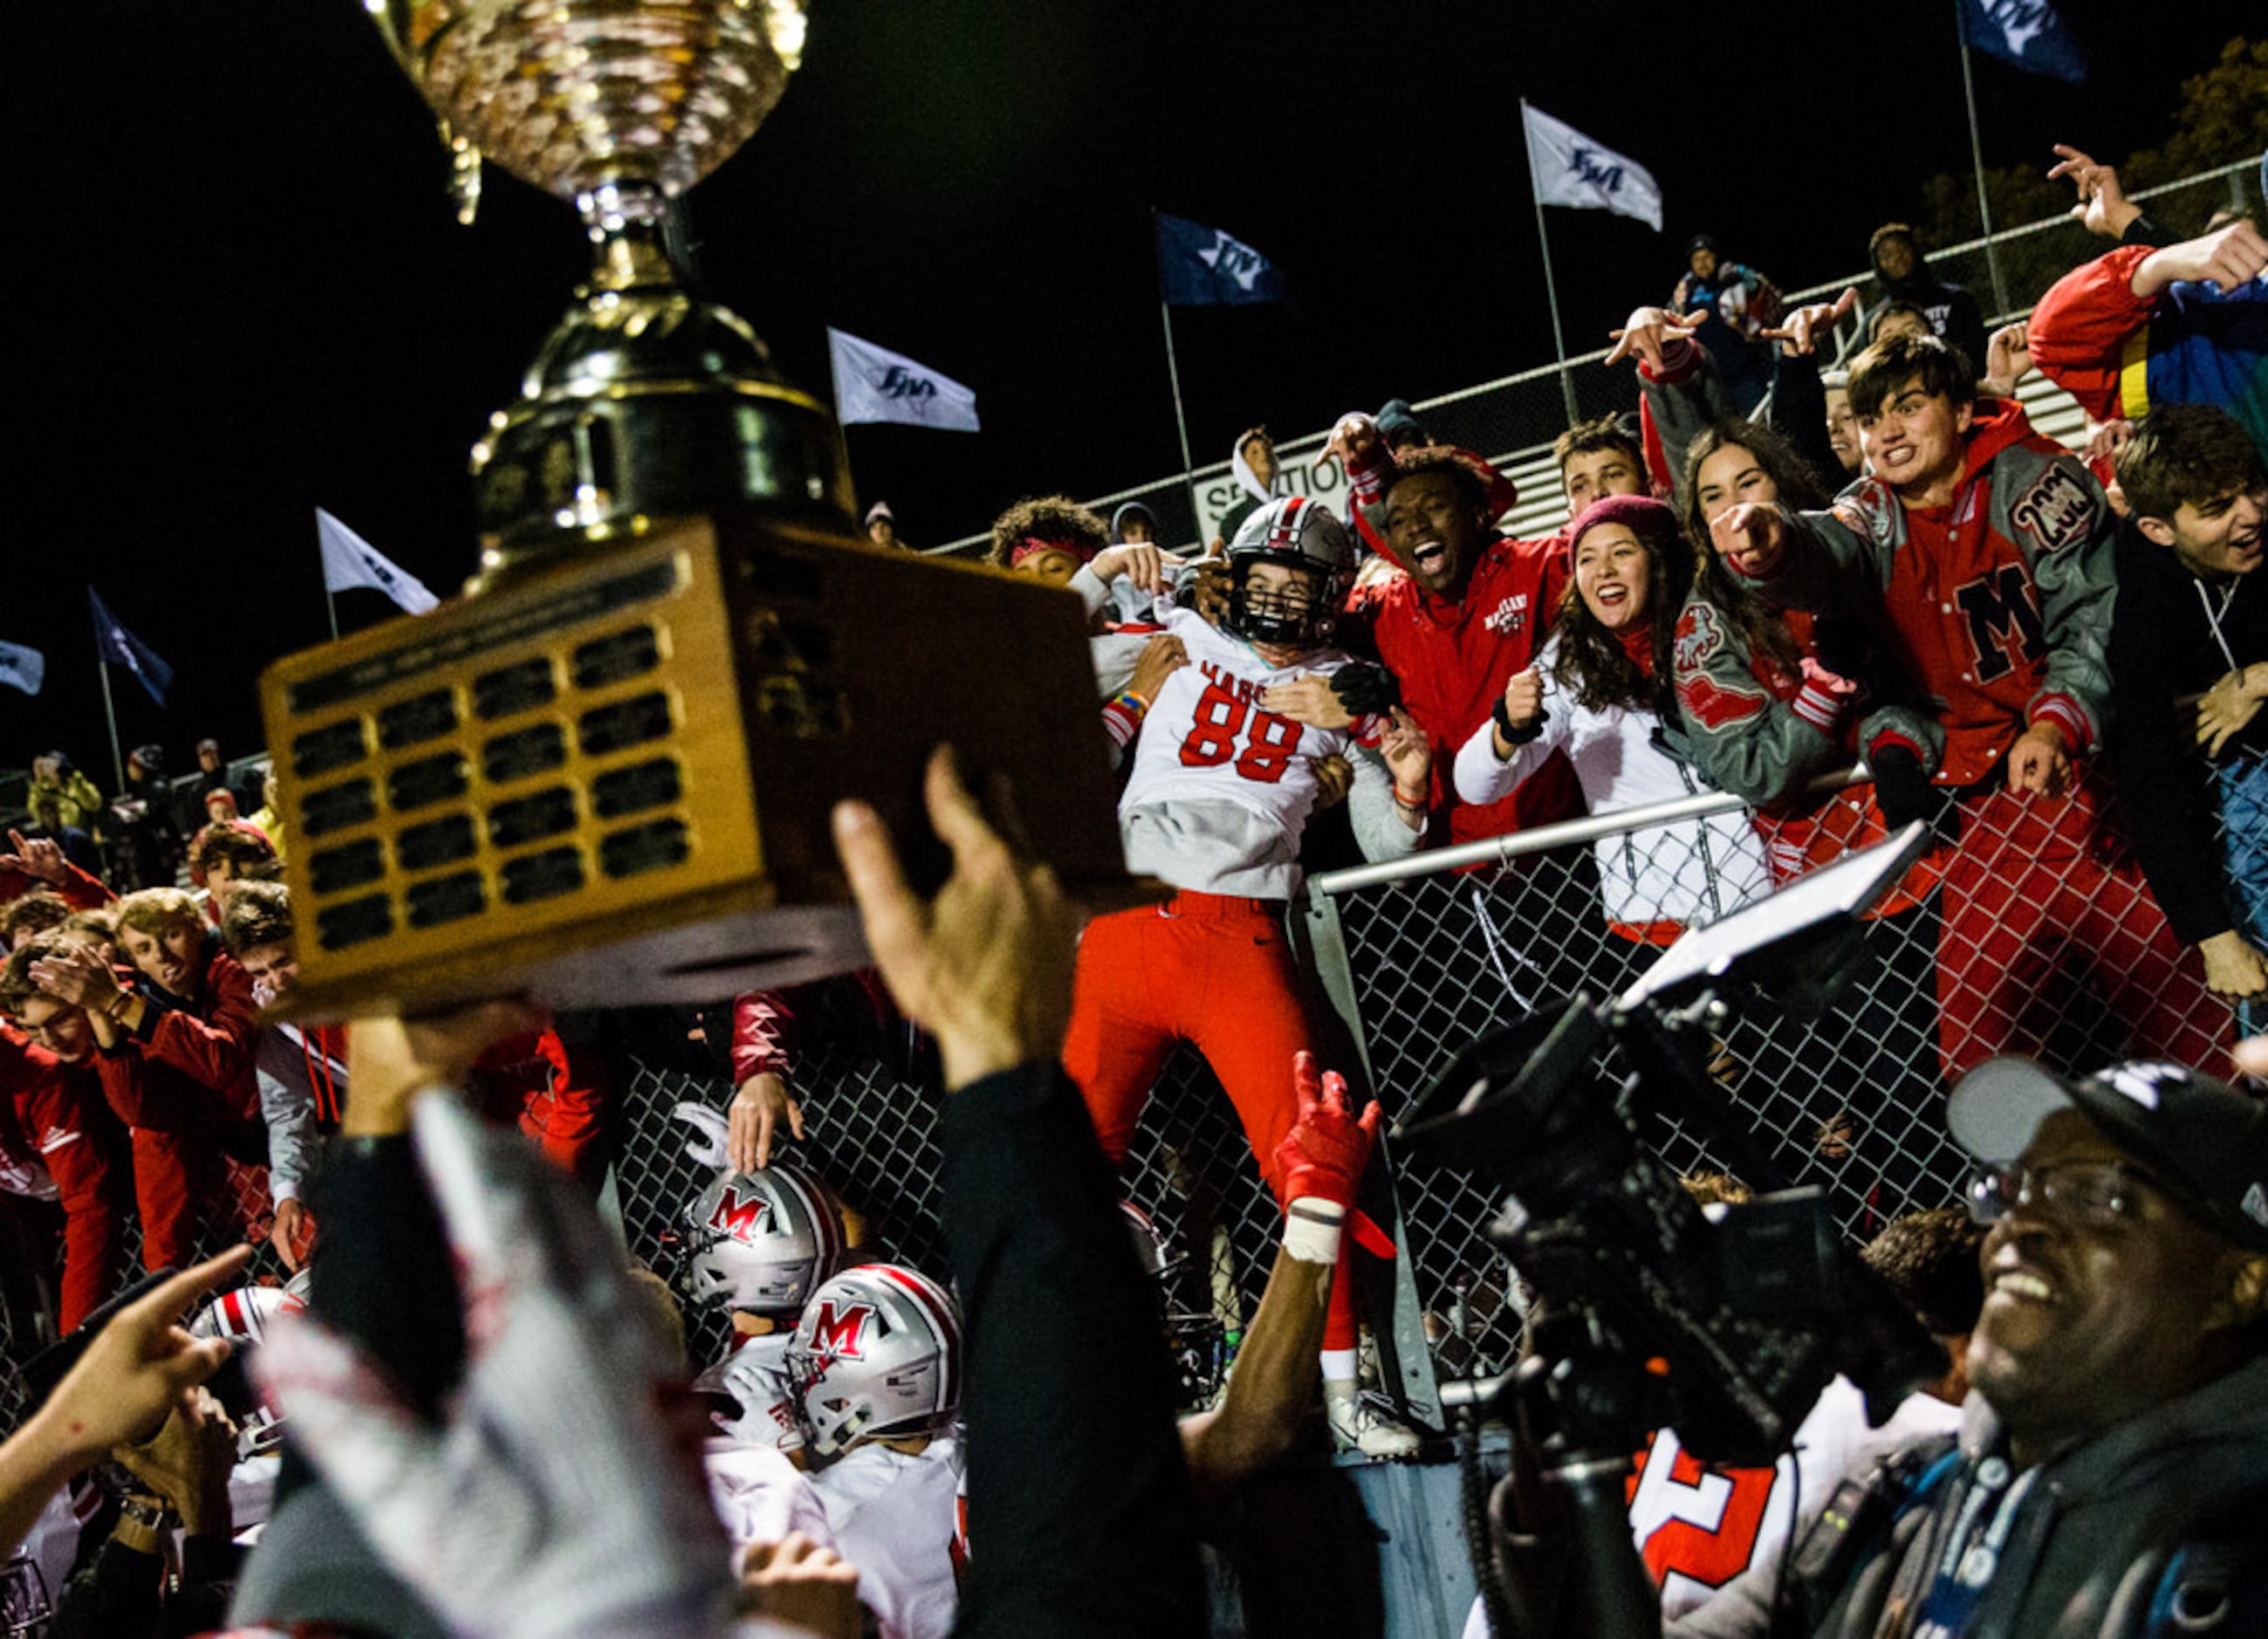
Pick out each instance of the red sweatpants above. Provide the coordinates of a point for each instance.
(2045, 908)
(1214, 972)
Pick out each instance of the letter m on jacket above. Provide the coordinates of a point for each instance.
(2005, 628)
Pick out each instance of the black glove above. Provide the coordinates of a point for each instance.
(1365, 689)
(1901, 791)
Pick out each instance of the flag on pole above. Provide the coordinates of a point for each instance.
(350, 561)
(2026, 33)
(874, 384)
(1203, 267)
(112, 643)
(1568, 168)
(21, 667)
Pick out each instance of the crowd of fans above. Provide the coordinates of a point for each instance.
(2053, 662)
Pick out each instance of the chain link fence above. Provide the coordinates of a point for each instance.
(2018, 937)
(1513, 420)
(2026, 942)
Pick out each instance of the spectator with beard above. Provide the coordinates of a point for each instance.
(1903, 275)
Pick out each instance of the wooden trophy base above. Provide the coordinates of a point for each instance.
(609, 781)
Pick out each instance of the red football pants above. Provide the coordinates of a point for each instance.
(2045, 906)
(1213, 972)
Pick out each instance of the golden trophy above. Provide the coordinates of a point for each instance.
(603, 775)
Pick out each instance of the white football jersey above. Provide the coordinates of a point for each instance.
(895, 1517)
(761, 1495)
(1222, 787)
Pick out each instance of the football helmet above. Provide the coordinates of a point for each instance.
(876, 1355)
(761, 1240)
(1294, 533)
(243, 1317)
(756, 1401)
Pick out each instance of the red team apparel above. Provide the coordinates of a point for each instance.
(1999, 602)
(1220, 792)
(57, 1143)
(1453, 658)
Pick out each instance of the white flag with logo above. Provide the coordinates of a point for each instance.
(350, 561)
(1570, 169)
(21, 667)
(874, 384)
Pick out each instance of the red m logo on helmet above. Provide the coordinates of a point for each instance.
(836, 1336)
(737, 1214)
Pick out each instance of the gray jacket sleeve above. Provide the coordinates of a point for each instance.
(287, 1102)
(2057, 513)
(1378, 828)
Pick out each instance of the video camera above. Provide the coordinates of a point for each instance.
(1725, 1323)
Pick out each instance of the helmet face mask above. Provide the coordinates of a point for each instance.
(876, 1355)
(1288, 569)
(761, 1241)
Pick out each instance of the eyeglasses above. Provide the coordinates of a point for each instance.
(2102, 1193)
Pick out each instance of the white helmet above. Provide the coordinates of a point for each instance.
(761, 1240)
(243, 1317)
(1297, 533)
(876, 1355)
(754, 1380)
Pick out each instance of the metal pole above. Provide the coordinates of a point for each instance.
(110, 712)
(1181, 420)
(1976, 162)
(1551, 285)
(331, 603)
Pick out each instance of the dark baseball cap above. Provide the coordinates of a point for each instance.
(2203, 1141)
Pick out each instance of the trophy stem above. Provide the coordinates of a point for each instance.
(624, 221)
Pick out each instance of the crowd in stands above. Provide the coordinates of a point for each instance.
(1780, 563)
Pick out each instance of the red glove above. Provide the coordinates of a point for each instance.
(1325, 1152)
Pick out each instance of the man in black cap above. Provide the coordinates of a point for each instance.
(2113, 1456)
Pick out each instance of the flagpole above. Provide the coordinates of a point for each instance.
(1977, 163)
(110, 712)
(331, 604)
(1174, 374)
(1550, 287)
(1180, 419)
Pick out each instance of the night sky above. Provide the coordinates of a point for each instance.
(236, 289)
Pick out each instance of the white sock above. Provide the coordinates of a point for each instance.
(1340, 1371)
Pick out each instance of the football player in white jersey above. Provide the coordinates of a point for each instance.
(1221, 793)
